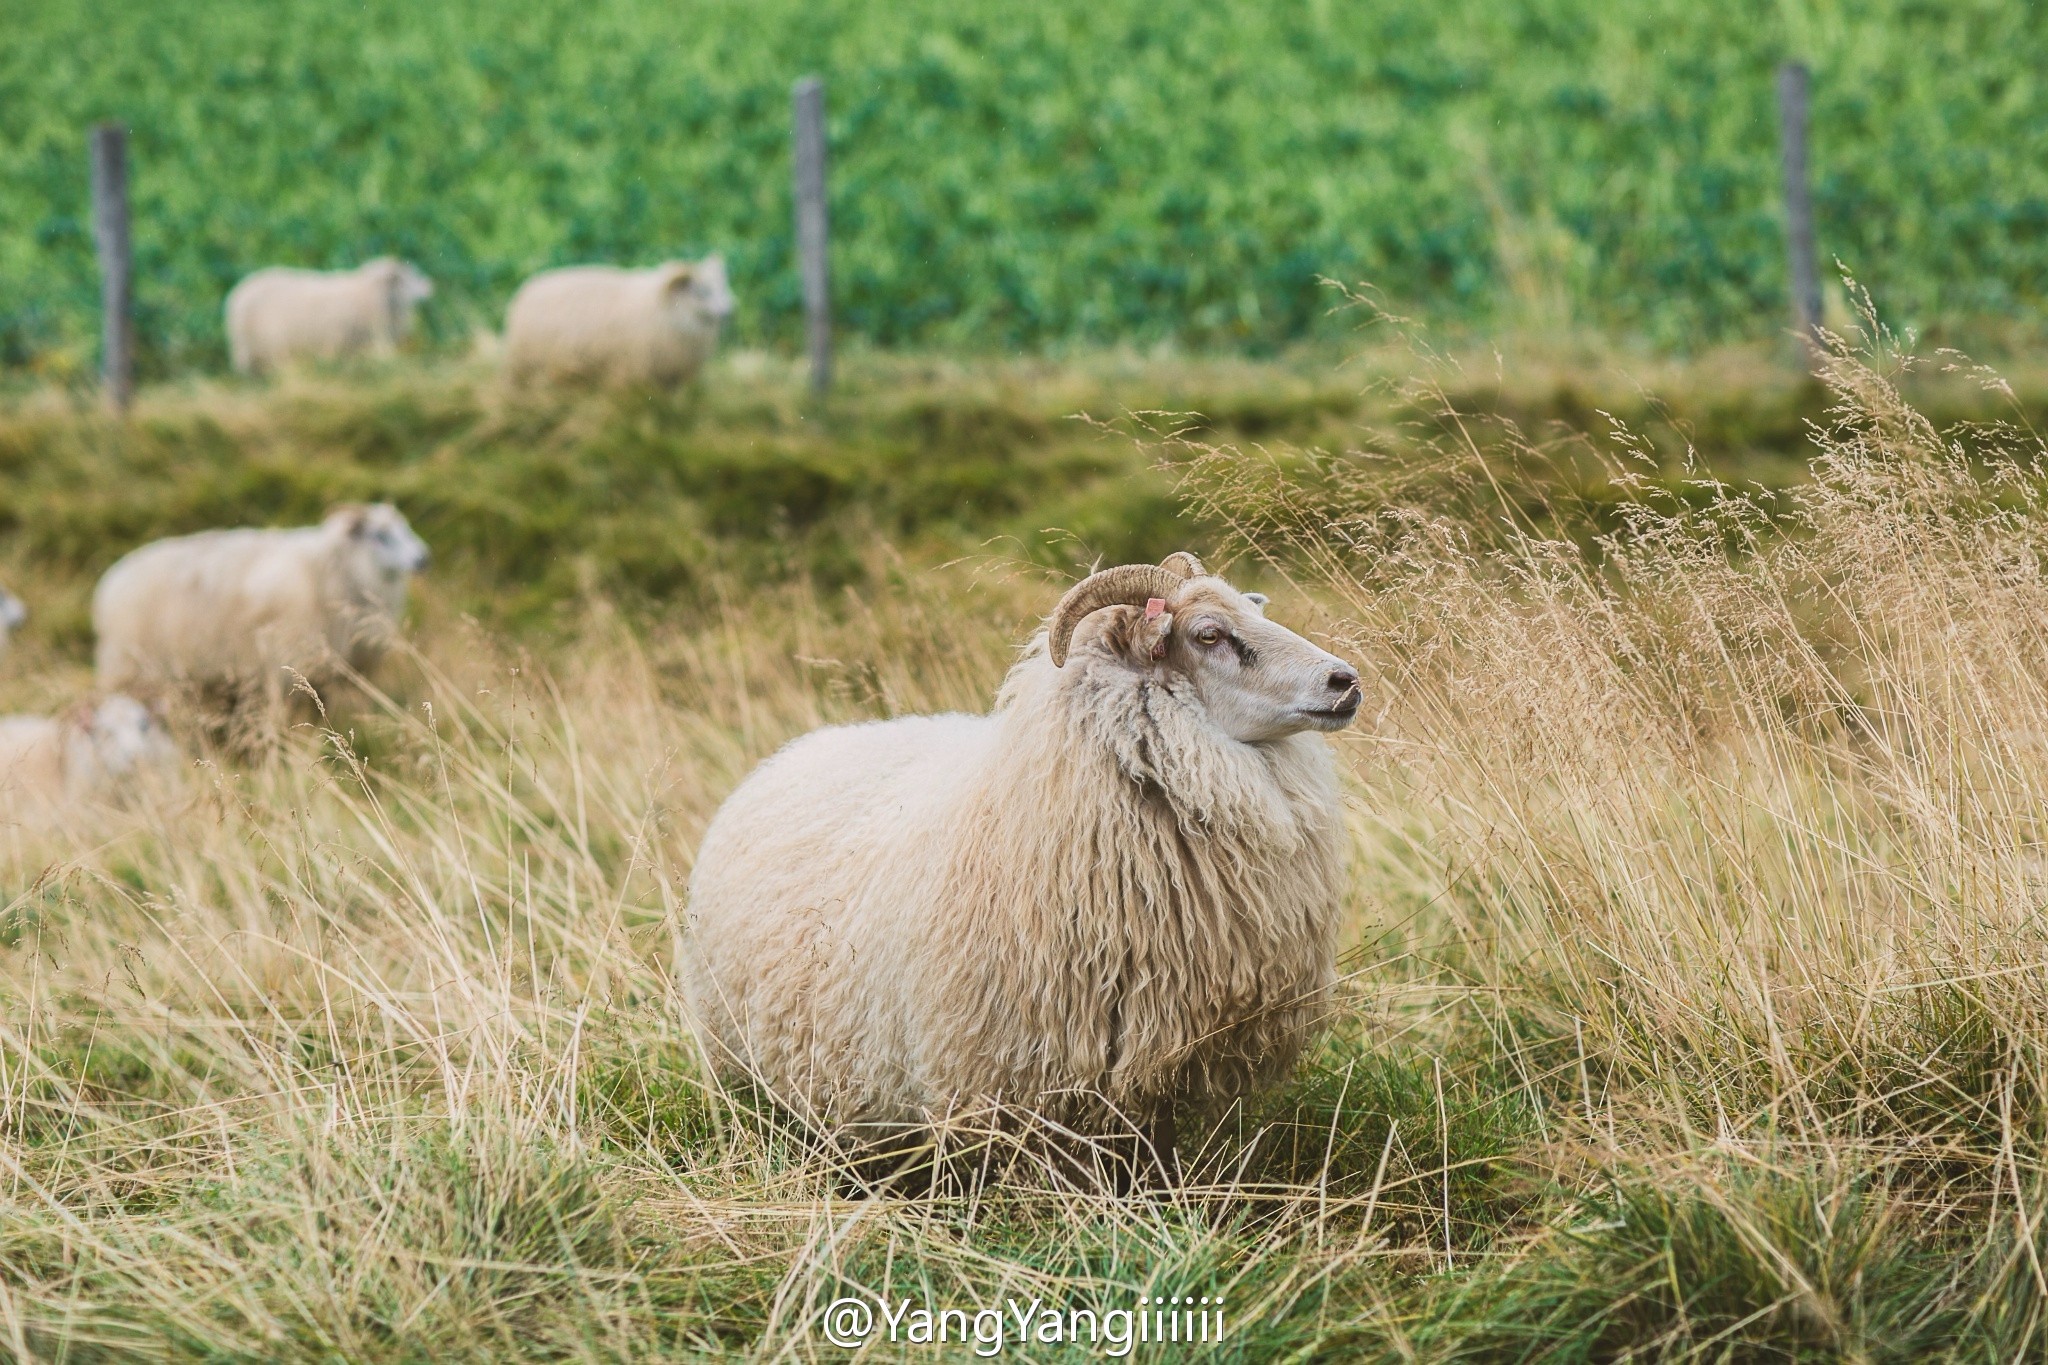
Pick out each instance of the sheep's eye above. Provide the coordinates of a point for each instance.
(1208, 635)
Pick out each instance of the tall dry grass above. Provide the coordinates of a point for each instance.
(1694, 961)
(316, 1056)
(1725, 826)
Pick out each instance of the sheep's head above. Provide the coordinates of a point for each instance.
(413, 285)
(1257, 679)
(117, 737)
(698, 288)
(382, 531)
(13, 615)
(408, 285)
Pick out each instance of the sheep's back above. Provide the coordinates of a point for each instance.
(602, 322)
(810, 881)
(281, 314)
(217, 606)
(564, 320)
(31, 756)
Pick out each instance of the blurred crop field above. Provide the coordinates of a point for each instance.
(1057, 174)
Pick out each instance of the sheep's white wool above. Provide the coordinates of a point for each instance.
(654, 326)
(1098, 897)
(13, 616)
(278, 316)
(236, 609)
(93, 752)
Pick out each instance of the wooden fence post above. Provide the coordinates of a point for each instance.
(1799, 251)
(110, 231)
(807, 98)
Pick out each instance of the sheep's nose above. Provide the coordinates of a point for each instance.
(1342, 680)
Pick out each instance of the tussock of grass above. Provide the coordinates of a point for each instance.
(1692, 1003)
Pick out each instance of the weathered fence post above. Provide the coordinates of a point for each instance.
(807, 97)
(1799, 253)
(110, 231)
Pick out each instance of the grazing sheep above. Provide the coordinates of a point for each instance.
(618, 326)
(1117, 893)
(227, 612)
(13, 616)
(278, 316)
(89, 753)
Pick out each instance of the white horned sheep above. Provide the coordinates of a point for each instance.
(1116, 894)
(280, 315)
(616, 326)
(90, 752)
(228, 612)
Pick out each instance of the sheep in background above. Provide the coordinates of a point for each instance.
(226, 613)
(618, 326)
(13, 616)
(92, 752)
(1116, 894)
(280, 315)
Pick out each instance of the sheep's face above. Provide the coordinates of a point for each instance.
(413, 286)
(405, 288)
(1257, 679)
(382, 531)
(121, 737)
(697, 291)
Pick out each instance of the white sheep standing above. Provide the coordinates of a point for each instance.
(1116, 894)
(91, 752)
(280, 315)
(616, 326)
(230, 612)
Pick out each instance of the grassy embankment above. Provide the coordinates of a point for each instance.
(1693, 988)
(534, 502)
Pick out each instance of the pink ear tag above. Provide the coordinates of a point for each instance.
(1153, 607)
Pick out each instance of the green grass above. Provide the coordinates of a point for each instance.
(1692, 1003)
(1041, 175)
(666, 503)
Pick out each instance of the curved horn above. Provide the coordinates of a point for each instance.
(1182, 563)
(1127, 585)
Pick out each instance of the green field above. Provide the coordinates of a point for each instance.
(1038, 175)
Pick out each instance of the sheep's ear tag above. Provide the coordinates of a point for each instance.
(1153, 607)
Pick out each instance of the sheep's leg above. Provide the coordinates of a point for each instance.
(255, 712)
(1160, 1148)
(275, 716)
(873, 1159)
